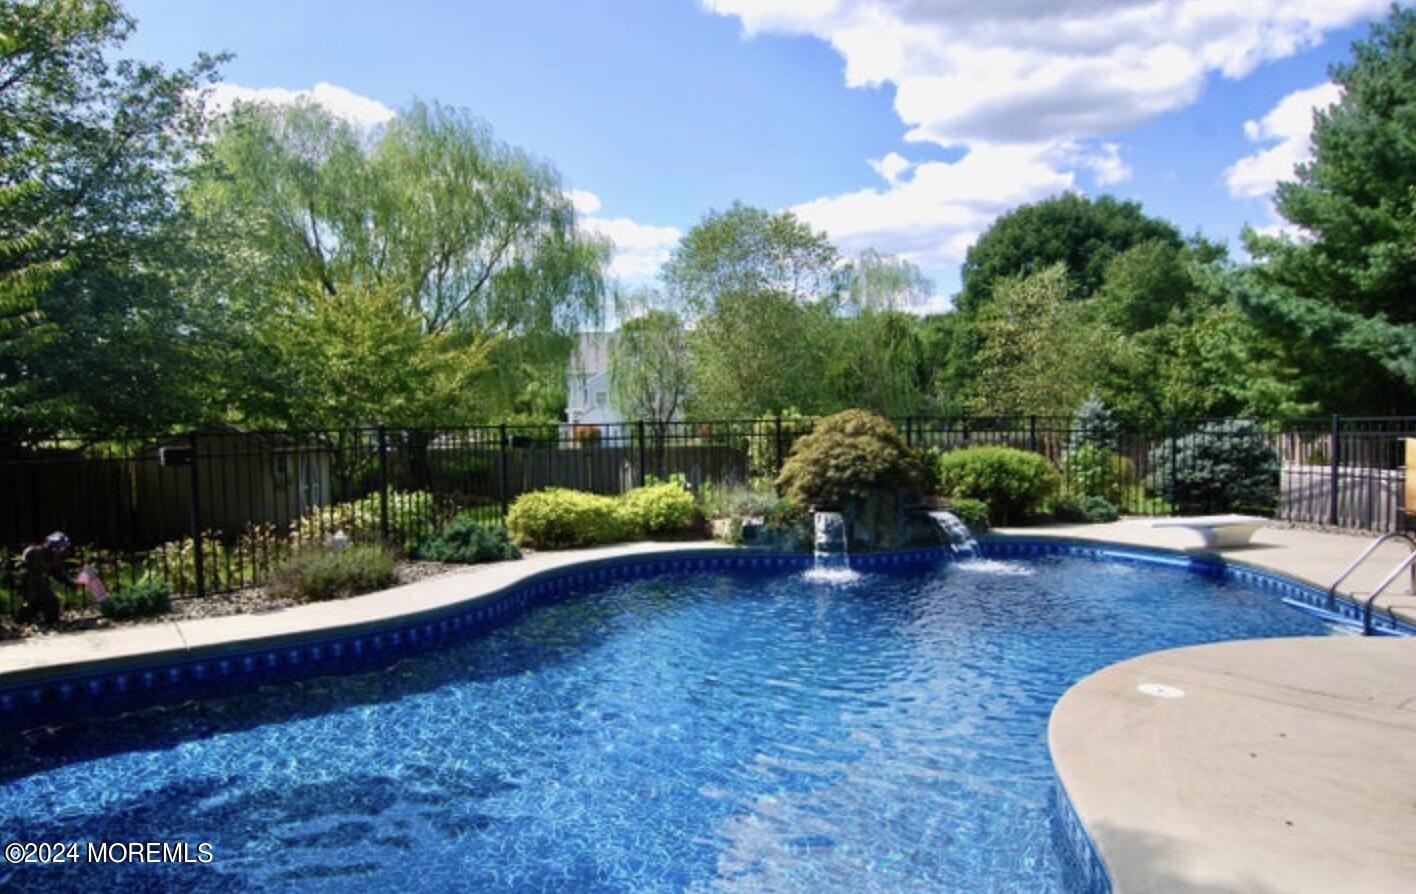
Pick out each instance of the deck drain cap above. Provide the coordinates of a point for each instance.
(1160, 690)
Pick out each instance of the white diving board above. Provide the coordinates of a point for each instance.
(1218, 530)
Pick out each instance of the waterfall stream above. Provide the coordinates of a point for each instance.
(832, 554)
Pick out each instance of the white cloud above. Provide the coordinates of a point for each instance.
(585, 201)
(639, 249)
(1104, 162)
(1037, 70)
(1029, 88)
(340, 102)
(1288, 125)
(932, 218)
(891, 166)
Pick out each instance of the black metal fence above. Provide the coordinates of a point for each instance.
(216, 510)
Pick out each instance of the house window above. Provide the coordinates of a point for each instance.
(601, 398)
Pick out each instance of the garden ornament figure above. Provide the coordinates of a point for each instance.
(42, 562)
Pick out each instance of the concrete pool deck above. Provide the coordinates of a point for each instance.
(1287, 765)
(45, 657)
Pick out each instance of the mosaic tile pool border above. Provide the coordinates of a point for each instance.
(1083, 871)
(219, 668)
(1299, 594)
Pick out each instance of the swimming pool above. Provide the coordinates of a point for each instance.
(739, 731)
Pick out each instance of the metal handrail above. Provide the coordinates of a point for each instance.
(1367, 606)
(1371, 548)
(1362, 557)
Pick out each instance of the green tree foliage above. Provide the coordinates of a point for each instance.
(746, 250)
(1082, 234)
(760, 352)
(1341, 296)
(361, 356)
(649, 367)
(90, 332)
(1034, 347)
(879, 360)
(763, 287)
(1173, 342)
(475, 238)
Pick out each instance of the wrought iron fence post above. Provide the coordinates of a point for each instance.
(1174, 462)
(194, 505)
(1032, 433)
(383, 484)
(504, 502)
(909, 431)
(778, 423)
(642, 453)
(1336, 467)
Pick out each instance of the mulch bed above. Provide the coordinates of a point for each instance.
(251, 600)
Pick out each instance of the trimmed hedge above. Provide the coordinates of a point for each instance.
(557, 517)
(1090, 509)
(464, 541)
(1014, 483)
(659, 508)
(323, 573)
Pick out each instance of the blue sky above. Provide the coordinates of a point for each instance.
(658, 110)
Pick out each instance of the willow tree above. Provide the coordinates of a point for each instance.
(475, 239)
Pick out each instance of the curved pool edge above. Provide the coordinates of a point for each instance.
(64, 678)
(1087, 864)
(58, 678)
(1287, 765)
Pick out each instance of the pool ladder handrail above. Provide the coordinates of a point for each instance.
(1352, 566)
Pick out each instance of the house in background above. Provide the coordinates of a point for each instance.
(587, 381)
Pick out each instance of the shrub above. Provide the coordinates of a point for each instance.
(557, 517)
(1094, 510)
(737, 500)
(973, 513)
(319, 573)
(1099, 510)
(141, 600)
(659, 508)
(1094, 425)
(1098, 472)
(464, 541)
(762, 456)
(1014, 483)
(1221, 467)
(408, 512)
(849, 456)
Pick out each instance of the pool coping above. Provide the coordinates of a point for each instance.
(51, 679)
(1085, 800)
(1278, 765)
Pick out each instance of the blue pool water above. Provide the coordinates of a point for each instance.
(682, 733)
